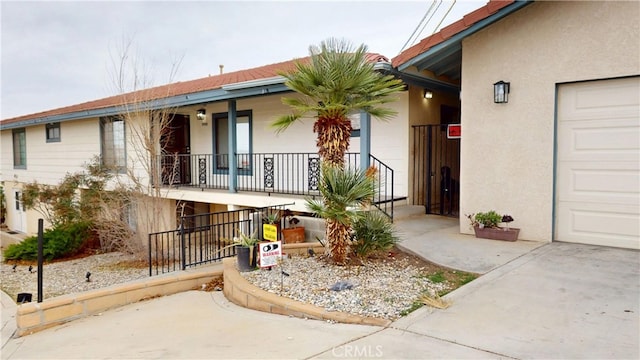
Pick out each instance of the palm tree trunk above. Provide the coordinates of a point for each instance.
(334, 133)
(338, 235)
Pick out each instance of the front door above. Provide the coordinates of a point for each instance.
(175, 143)
(19, 220)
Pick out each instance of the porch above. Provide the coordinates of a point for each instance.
(295, 174)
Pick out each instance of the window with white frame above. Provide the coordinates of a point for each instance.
(112, 137)
(243, 140)
(53, 132)
(19, 149)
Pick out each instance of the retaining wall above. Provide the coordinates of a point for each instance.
(33, 317)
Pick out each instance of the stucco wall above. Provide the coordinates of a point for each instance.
(508, 149)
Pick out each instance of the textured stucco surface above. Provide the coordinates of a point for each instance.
(507, 150)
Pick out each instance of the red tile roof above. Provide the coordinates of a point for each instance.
(179, 88)
(447, 32)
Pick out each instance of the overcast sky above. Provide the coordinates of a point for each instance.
(56, 53)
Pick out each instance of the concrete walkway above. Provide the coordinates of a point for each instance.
(534, 301)
(438, 239)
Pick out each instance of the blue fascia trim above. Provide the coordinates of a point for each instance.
(175, 101)
(456, 40)
(418, 79)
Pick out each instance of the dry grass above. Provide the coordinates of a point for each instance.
(434, 301)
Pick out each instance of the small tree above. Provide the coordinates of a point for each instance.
(345, 192)
(77, 198)
(147, 120)
(82, 198)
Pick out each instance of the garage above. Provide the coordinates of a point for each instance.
(597, 163)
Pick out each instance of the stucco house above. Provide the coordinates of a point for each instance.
(560, 154)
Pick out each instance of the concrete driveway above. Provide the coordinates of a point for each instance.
(560, 301)
(557, 301)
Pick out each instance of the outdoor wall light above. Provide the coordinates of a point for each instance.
(501, 92)
(428, 94)
(202, 116)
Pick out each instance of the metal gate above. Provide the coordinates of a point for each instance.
(436, 170)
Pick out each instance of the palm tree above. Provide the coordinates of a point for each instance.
(344, 194)
(336, 81)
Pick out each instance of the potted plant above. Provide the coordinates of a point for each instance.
(294, 233)
(247, 250)
(485, 226)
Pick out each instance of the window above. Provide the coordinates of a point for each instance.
(355, 124)
(112, 141)
(130, 216)
(19, 205)
(243, 140)
(53, 132)
(19, 149)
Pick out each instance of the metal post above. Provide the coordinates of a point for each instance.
(429, 174)
(232, 121)
(183, 245)
(40, 257)
(365, 140)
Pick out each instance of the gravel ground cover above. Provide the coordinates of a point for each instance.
(387, 286)
(69, 276)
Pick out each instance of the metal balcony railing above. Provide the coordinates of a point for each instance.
(272, 173)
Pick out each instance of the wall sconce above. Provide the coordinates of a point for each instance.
(202, 116)
(501, 92)
(428, 94)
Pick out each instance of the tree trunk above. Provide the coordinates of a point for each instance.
(334, 134)
(338, 237)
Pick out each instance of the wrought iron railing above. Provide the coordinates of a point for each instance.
(384, 197)
(203, 238)
(272, 173)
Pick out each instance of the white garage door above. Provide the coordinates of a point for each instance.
(598, 163)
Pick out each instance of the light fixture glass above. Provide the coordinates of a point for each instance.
(201, 115)
(428, 94)
(501, 92)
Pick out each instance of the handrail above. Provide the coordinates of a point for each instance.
(271, 173)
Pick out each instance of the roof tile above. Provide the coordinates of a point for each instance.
(469, 19)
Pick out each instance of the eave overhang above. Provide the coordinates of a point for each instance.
(236, 91)
(445, 58)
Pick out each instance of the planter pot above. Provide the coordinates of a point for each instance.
(246, 258)
(293, 235)
(499, 233)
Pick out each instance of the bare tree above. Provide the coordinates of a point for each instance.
(147, 119)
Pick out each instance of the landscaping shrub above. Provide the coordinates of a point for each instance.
(373, 232)
(61, 241)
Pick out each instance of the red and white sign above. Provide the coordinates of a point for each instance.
(270, 252)
(454, 131)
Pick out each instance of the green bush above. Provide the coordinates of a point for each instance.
(373, 232)
(61, 241)
(489, 219)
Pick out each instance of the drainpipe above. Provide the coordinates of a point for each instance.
(233, 163)
(365, 140)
